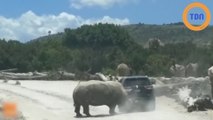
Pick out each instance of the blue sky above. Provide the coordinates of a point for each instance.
(73, 13)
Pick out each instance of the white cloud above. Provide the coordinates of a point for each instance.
(30, 26)
(107, 19)
(102, 3)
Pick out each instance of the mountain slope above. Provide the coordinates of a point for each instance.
(171, 33)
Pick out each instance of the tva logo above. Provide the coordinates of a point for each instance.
(189, 16)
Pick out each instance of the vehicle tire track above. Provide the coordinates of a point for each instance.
(45, 99)
(62, 97)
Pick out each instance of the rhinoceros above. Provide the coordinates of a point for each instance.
(96, 93)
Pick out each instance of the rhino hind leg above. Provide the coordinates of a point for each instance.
(112, 109)
(86, 110)
(77, 110)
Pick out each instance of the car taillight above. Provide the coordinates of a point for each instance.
(149, 87)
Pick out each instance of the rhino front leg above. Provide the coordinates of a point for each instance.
(77, 110)
(112, 109)
(86, 110)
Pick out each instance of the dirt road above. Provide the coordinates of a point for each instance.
(43, 100)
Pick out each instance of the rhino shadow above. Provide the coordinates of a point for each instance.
(98, 116)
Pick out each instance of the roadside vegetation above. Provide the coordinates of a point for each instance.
(101, 47)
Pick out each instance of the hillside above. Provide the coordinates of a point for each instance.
(170, 33)
(101, 47)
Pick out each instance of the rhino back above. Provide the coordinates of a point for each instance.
(98, 93)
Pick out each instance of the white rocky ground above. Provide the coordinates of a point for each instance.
(52, 100)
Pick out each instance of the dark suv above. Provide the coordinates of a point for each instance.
(140, 94)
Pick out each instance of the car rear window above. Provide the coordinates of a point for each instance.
(136, 81)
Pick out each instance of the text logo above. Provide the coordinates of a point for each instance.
(196, 16)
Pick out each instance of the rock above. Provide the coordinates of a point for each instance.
(178, 70)
(201, 104)
(191, 70)
(18, 83)
(123, 70)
